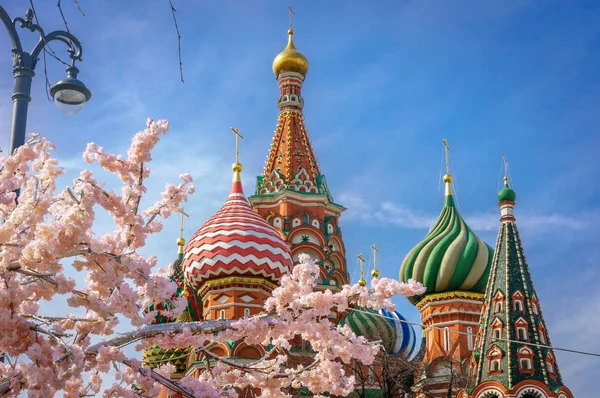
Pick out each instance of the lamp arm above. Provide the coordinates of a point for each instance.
(73, 44)
(9, 24)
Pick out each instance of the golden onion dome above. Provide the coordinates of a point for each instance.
(290, 59)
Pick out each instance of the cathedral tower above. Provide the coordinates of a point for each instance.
(454, 265)
(292, 194)
(514, 356)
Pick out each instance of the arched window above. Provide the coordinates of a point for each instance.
(246, 312)
(522, 334)
(330, 229)
(542, 333)
(525, 364)
(495, 365)
(470, 338)
(525, 357)
(222, 314)
(517, 299)
(550, 364)
(496, 333)
(494, 356)
(534, 307)
(447, 339)
(498, 307)
(518, 305)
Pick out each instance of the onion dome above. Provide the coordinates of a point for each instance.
(156, 357)
(235, 241)
(367, 323)
(507, 193)
(450, 257)
(406, 344)
(290, 59)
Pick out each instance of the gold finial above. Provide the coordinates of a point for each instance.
(237, 166)
(375, 272)
(290, 59)
(292, 13)
(447, 176)
(181, 241)
(362, 280)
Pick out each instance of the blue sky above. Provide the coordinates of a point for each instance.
(387, 81)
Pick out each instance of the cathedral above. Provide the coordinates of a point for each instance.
(483, 332)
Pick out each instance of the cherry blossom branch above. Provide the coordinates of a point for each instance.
(149, 331)
(170, 384)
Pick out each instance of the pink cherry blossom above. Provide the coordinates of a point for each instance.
(49, 253)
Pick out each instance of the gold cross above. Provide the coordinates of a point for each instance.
(237, 148)
(375, 272)
(292, 13)
(361, 281)
(447, 148)
(183, 213)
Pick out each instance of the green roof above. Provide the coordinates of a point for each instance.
(507, 193)
(450, 257)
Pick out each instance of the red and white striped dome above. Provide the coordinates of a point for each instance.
(235, 241)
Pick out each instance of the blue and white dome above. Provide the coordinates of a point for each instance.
(406, 344)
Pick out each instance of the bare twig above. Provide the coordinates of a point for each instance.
(79, 8)
(47, 49)
(173, 10)
(63, 16)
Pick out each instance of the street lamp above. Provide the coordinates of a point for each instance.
(69, 94)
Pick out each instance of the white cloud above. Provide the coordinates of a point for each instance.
(398, 214)
(360, 210)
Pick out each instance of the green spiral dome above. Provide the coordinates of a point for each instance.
(451, 257)
(367, 323)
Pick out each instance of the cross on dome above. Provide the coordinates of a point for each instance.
(292, 13)
(375, 272)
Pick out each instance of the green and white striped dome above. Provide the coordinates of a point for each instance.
(369, 324)
(451, 257)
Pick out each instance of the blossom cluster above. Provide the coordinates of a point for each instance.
(295, 310)
(46, 237)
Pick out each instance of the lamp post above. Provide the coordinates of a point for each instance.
(69, 94)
